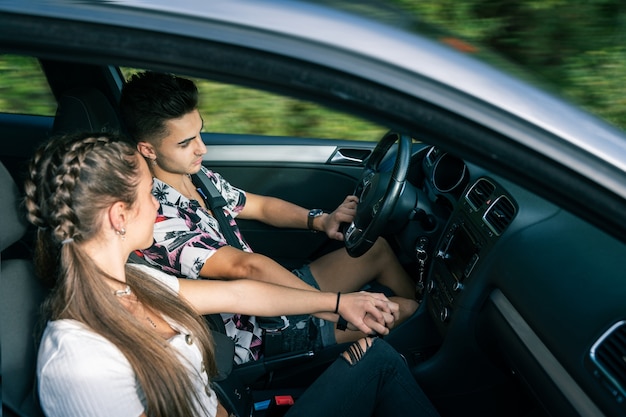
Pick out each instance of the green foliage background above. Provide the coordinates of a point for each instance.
(575, 48)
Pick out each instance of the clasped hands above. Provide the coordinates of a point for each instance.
(371, 313)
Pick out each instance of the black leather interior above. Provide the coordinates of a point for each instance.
(20, 297)
(85, 110)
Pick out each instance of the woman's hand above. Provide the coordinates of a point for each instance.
(370, 322)
(368, 312)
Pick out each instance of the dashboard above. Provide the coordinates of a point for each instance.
(482, 215)
(527, 299)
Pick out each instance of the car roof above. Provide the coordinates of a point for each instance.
(416, 65)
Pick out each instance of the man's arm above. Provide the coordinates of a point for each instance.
(281, 213)
(228, 263)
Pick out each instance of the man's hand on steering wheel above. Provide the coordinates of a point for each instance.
(345, 213)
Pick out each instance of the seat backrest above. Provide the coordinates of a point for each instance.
(21, 295)
(85, 110)
(21, 292)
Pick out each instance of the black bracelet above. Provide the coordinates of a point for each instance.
(337, 306)
(342, 324)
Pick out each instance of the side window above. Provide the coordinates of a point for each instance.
(233, 109)
(24, 88)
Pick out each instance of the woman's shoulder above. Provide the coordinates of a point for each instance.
(70, 329)
(68, 348)
(164, 278)
(85, 369)
(74, 342)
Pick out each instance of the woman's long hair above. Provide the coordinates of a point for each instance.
(72, 180)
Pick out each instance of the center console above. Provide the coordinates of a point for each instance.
(484, 212)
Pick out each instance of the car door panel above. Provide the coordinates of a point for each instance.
(313, 173)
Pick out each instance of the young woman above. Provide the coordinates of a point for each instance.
(127, 340)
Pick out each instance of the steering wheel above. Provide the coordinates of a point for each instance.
(378, 193)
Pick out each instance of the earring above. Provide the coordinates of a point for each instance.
(153, 161)
(121, 233)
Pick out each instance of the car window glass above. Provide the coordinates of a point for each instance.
(24, 88)
(233, 109)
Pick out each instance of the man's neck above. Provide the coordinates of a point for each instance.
(174, 180)
(180, 182)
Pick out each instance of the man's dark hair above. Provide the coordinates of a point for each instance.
(150, 99)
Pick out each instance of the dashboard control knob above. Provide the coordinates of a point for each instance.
(457, 286)
(444, 314)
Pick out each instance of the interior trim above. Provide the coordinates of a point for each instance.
(269, 153)
(561, 378)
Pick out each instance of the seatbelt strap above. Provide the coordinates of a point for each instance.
(215, 202)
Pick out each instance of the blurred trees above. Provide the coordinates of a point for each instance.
(577, 46)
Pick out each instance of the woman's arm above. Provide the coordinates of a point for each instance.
(262, 299)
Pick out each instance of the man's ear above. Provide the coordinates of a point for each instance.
(146, 150)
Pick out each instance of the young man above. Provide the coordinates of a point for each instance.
(160, 112)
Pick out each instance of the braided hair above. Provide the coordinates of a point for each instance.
(72, 179)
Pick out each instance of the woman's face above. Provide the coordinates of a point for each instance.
(145, 208)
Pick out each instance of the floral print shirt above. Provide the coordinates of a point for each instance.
(186, 235)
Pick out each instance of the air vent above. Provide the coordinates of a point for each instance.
(479, 193)
(499, 215)
(609, 355)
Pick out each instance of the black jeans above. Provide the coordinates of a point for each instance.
(379, 384)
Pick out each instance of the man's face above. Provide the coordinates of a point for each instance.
(181, 151)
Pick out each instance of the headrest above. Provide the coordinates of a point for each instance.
(85, 110)
(12, 222)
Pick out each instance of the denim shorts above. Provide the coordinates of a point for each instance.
(304, 332)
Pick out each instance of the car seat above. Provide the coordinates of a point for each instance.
(21, 294)
(85, 110)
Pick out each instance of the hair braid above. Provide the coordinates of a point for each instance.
(66, 178)
(33, 210)
(53, 175)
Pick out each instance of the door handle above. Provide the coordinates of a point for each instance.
(348, 156)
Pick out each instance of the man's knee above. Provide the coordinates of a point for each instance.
(381, 250)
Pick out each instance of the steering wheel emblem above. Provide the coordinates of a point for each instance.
(366, 190)
(375, 208)
(352, 232)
